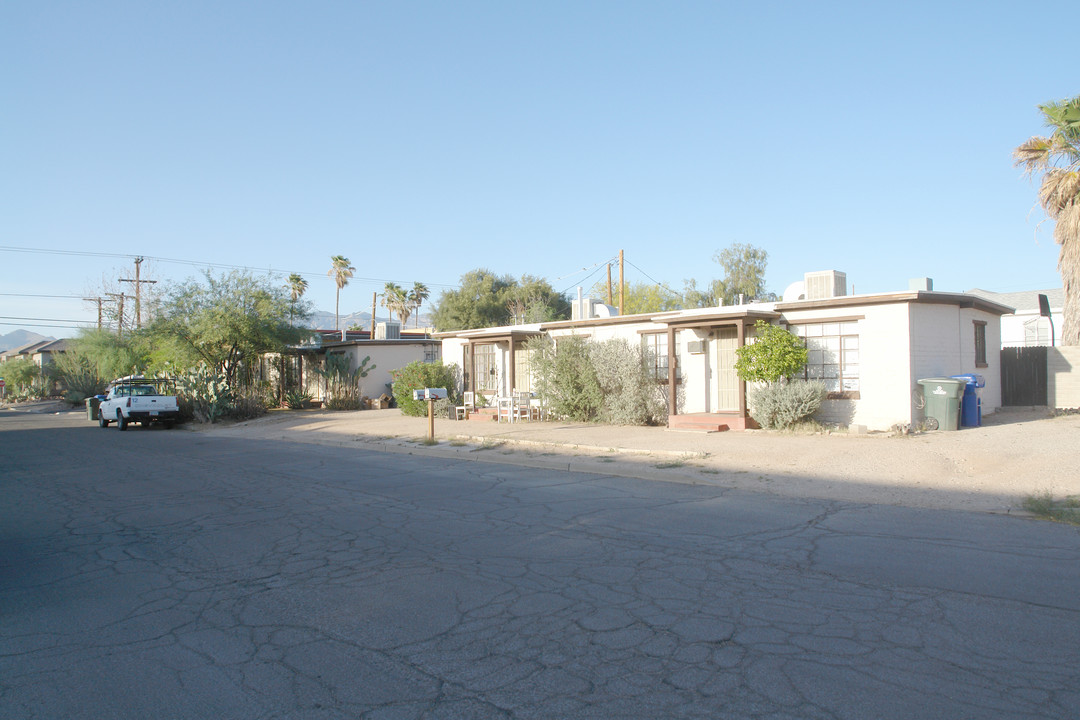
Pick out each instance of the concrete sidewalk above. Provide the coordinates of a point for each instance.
(989, 468)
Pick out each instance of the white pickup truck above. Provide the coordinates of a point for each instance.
(138, 399)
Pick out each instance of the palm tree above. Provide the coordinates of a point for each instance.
(1057, 157)
(297, 287)
(417, 296)
(341, 271)
(394, 299)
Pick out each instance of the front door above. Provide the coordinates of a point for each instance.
(727, 382)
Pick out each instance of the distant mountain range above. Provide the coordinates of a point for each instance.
(320, 320)
(18, 338)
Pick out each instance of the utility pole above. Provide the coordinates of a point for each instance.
(99, 313)
(374, 297)
(609, 283)
(138, 294)
(120, 320)
(622, 286)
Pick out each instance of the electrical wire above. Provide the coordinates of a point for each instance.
(659, 284)
(199, 264)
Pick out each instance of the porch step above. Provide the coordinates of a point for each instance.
(483, 415)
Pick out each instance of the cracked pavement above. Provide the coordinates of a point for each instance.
(187, 575)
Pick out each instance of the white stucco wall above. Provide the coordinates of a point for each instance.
(385, 357)
(885, 383)
(1063, 376)
(943, 344)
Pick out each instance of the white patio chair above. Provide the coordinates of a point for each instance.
(522, 407)
(468, 405)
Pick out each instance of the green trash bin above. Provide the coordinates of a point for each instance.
(943, 396)
(92, 405)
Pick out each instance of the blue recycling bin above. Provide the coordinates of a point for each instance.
(971, 403)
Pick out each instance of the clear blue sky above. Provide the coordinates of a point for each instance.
(425, 139)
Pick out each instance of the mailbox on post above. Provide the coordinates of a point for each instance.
(431, 395)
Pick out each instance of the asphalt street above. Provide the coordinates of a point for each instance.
(171, 574)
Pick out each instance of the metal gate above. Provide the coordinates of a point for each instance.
(1023, 376)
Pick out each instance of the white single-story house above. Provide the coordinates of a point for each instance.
(870, 350)
(387, 352)
(1026, 326)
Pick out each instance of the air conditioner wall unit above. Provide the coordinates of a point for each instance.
(388, 331)
(826, 284)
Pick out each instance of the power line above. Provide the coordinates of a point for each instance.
(586, 269)
(48, 325)
(31, 295)
(584, 279)
(67, 320)
(658, 283)
(199, 264)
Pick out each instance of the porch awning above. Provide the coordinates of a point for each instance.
(733, 316)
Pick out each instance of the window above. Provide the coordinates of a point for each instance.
(522, 368)
(432, 353)
(980, 343)
(1036, 332)
(655, 346)
(484, 360)
(832, 355)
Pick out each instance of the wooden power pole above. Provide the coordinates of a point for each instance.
(622, 285)
(138, 293)
(374, 298)
(120, 319)
(99, 310)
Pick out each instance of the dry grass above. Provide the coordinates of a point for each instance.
(1066, 510)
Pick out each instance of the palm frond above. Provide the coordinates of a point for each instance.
(1059, 189)
(1034, 154)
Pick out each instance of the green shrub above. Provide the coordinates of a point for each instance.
(419, 375)
(20, 374)
(78, 375)
(631, 395)
(775, 354)
(782, 405)
(343, 381)
(297, 400)
(566, 380)
(207, 392)
(247, 407)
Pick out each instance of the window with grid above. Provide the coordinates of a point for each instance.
(832, 354)
(656, 349)
(484, 362)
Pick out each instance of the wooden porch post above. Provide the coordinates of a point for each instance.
(742, 383)
(469, 363)
(512, 370)
(673, 400)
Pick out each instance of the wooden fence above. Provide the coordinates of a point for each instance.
(1023, 376)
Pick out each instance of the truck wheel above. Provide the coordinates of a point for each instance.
(121, 421)
(101, 421)
(168, 424)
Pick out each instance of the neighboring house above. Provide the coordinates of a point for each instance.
(870, 350)
(1026, 327)
(23, 350)
(389, 350)
(40, 352)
